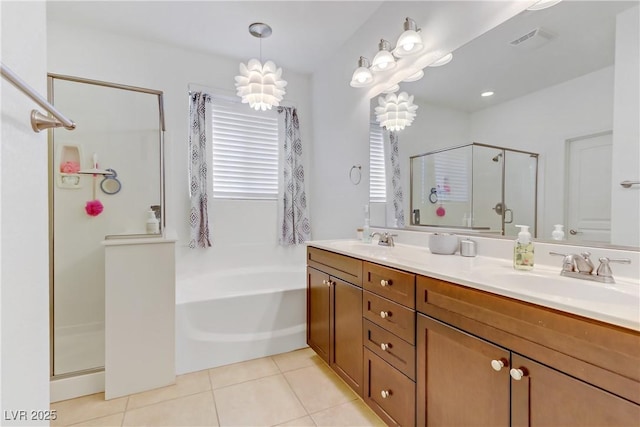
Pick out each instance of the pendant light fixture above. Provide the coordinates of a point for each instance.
(410, 41)
(261, 86)
(383, 60)
(414, 77)
(395, 112)
(442, 61)
(362, 76)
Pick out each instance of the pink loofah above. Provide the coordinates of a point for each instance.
(70, 167)
(94, 207)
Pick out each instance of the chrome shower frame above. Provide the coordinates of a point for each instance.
(50, 95)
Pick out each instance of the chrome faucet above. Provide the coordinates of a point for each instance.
(384, 239)
(579, 266)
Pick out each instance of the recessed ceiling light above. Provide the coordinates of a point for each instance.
(543, 4)
(487, 93)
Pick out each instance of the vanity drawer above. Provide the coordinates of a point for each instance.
(388, 392)
(391, 316)
(395, 285)
(340, 266)
(398, 353)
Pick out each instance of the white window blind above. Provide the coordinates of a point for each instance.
(245, 151)
(452, 176)
(377, 177)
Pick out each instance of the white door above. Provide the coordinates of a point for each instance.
(589, 188)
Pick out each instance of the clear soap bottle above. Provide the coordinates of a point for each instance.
(523, 250)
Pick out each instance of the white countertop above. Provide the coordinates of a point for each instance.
(618, 303)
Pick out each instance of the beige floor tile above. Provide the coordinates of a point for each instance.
(86, 408)
(262, 402)
(185, 385)
(297, 359)
(195, 410)
(109, 421)
(352, 414)
(241, 372)
(319, 388)
(299, 422)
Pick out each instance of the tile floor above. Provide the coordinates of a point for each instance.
(289, 389)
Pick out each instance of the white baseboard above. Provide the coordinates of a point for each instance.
(72, 387)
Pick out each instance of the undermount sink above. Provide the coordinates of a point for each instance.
(567, 289)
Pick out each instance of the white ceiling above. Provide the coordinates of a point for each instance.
(584, 38)
(305, 33)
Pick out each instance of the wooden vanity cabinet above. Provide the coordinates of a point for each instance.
(578, 372)
(334, 313)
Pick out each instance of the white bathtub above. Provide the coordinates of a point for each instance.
(237, 315)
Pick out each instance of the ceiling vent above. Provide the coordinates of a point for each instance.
(532, 39)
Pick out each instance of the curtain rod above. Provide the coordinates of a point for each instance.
(38, 120)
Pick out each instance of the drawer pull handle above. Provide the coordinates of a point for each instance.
(384, 283)
(385, 394)
(384, 346)
(385, 314)
(517, 374)
(499, 364)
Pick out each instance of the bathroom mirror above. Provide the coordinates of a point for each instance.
(556, 79)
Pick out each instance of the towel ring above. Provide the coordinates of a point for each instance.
(357, 177)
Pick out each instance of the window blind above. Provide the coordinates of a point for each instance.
(377, 176)
(245, 152)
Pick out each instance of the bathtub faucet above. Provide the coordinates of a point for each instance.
(384, 239)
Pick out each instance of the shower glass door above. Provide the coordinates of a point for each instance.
(119, 133)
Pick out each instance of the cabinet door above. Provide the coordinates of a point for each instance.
(318, 312)
(546, 397)
(346, 351)
(456, 384)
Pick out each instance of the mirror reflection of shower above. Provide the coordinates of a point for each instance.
(476, 186)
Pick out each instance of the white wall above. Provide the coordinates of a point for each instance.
(242, 232)
(24, 287)
(541, 122)
(625, 203)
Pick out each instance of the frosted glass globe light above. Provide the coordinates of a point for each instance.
(362, 76)
(410, 41)
(395, 112)
(261, 86)
(383, 60)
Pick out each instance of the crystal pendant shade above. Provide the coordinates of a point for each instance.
(395, 112)
(261, 86)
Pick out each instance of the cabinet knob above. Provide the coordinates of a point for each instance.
(384, 314)
(384, 283)
(384, 346)
(498, 364)
(517, 374)
(327, 282)
(385, 394)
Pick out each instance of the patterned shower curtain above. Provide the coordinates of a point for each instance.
(295, 228)
(396, 180)
(199, 117)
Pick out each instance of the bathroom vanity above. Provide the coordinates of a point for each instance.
(423, 347)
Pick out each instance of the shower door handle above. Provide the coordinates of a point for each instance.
(510, 212)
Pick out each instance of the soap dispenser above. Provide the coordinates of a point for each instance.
(557, 233)
(523, 249)
(153, 225)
